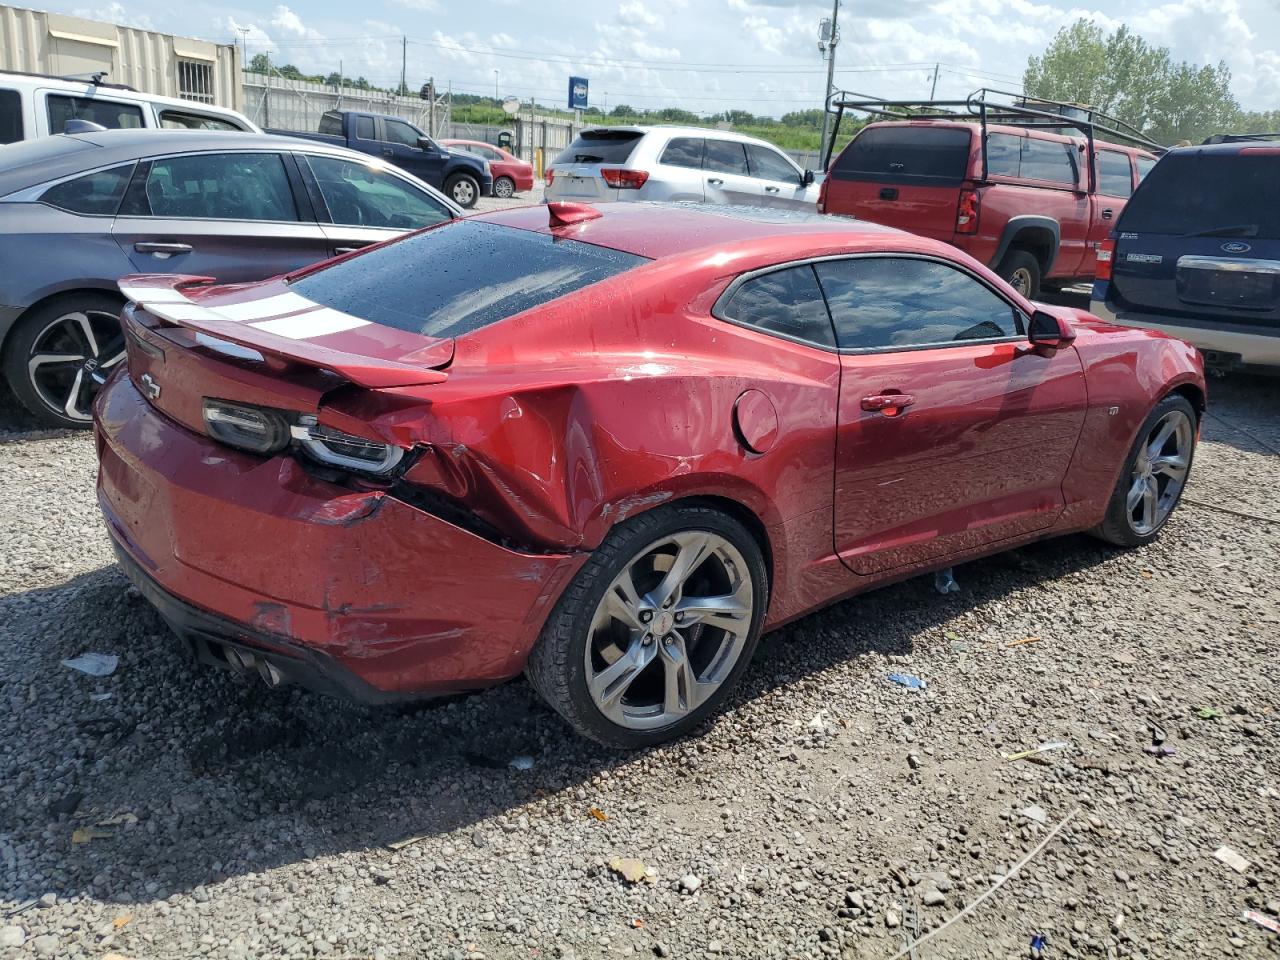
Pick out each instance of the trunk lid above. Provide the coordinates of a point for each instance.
(1201, 238)
(577, 167)
(260, 344)
(902, 175)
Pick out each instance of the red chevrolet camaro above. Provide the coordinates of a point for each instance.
(607, 447)
(511, 175)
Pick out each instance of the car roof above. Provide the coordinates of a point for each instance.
(32, 162)
(112, 91)
(676, 129)
(658, 230)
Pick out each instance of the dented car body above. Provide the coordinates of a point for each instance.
(380, 475)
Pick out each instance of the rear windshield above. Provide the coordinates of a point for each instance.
(601, 146)
(460, 277)
(928, 156)
(1222, 195)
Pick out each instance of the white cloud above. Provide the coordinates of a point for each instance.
(422, 6)
(638, 11)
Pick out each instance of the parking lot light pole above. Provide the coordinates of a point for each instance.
(828, 37)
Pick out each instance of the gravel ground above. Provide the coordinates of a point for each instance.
(824, 813)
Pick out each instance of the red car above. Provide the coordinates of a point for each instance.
(607, 448)
(511, 175)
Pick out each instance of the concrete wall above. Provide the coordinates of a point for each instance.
(53, 43)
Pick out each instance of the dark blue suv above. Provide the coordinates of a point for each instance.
(1196, 252)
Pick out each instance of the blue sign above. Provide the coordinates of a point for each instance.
(577, 93)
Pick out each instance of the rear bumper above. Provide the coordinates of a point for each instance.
(357, 593)
(1224, 344)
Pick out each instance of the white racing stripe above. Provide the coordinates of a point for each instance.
(315, 323)
(266, 308)
(178, 312)
(153, 294)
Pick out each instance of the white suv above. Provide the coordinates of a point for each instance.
(34, 106)
(678, 163)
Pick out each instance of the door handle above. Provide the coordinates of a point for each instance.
(770, 189)
(388, 152)
(890, 404)
(1107, 213)
(350, 249)
(715, 181)
(168, 248)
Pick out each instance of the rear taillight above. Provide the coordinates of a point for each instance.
(239, 425)
(346, 450)
(1106, 257)
(822, 195)
(967, 212)
(624, 179)
(549, 175)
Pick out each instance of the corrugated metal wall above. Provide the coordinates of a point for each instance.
(36, 42)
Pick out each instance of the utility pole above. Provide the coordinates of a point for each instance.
(828, 37)
(934, 89)
(495, 85)
(404, 57)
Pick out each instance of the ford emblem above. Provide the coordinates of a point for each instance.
(1235, 246)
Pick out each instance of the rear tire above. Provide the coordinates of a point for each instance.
(504, 188)
(463, 189)
(1151, 483)
(1021, 270)
(657, 669)
(83, 328)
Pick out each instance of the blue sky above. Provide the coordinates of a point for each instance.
(706, 55)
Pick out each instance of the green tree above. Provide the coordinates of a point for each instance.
(1123, 75)
(259, 63)
(622, 110)
(803, 118)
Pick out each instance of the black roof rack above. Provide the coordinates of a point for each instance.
(97, 79)
(986, 106)
(1240, 137)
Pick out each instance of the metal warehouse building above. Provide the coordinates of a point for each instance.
(158, 63)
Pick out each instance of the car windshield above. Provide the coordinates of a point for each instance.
(1227, 195)
(460, 277)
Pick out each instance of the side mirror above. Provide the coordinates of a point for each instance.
(806, 178)
(427, 144)
(1048, 333)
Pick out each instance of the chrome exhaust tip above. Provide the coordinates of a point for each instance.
(270, 674)
(239, 660)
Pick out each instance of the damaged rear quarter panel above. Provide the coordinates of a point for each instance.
(557, 424)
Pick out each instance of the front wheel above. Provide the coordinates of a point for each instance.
(1154, 475)
(656, 629)
(463, 190)
(59, 355)
(504, 188)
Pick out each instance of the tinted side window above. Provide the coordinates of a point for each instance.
(1048, 160)
(401, 133)
(460, 277)
(178, 120)
(898, 302)
(364, 128)
(928, 156)
(1144, 167)
(770, 165)
(331, 125)
(113, 116)
(10, 116)
(219, 186)
(363, 196)
(725, 156)
(96, 194)
(1115, 177)
(1004, 155)
(788, 302)
(683, 152)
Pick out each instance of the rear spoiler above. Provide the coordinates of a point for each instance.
(285, 325)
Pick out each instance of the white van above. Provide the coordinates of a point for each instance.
(34, 106)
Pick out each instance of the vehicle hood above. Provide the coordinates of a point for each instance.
(270, 319)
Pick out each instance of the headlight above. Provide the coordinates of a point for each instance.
(255, 429)
(338, 449)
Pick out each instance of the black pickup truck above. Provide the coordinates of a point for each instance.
(463, 178)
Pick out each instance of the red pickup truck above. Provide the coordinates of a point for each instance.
(1020, 196)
